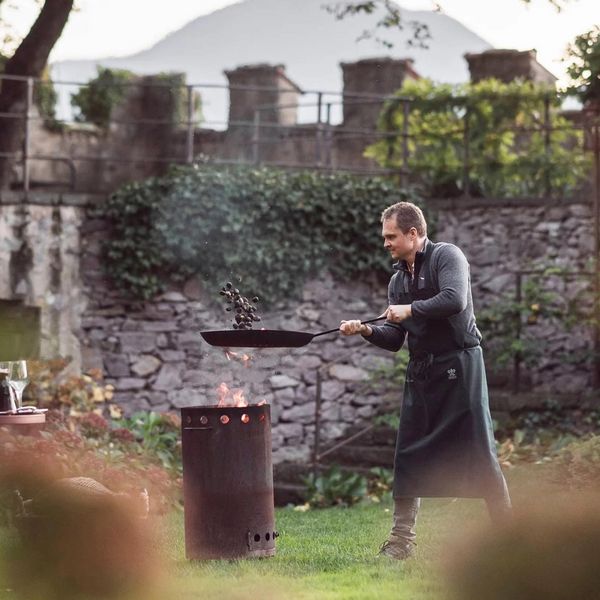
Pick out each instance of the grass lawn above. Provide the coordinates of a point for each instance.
(330, 554)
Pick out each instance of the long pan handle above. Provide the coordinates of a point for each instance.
(337, 328)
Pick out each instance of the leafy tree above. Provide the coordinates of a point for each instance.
(584, 67)
(391, 18)
(28, 60)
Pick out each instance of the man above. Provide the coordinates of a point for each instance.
(445, 445)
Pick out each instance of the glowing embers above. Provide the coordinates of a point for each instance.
(226, 419)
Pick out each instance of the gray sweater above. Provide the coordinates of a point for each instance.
(444, 319)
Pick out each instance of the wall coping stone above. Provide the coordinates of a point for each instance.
(41, 198)
(468, 202)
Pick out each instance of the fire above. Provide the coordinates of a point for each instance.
(230, 397)
(243, 358)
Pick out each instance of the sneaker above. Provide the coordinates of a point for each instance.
(396, 549)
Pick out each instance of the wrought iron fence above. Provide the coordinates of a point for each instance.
(332, 134)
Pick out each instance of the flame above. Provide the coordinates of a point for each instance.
(230, 397)
(243, 358)
(261, 402)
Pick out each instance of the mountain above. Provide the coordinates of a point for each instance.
(299, 34)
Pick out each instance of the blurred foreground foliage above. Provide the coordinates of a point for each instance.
(87, 435)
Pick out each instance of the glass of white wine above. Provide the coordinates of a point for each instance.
(18, 379)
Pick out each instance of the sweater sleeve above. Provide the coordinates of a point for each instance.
(452, 271)
(389, 336)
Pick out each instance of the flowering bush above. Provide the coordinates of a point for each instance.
(86, 435)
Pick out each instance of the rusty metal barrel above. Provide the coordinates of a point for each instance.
(228, 482)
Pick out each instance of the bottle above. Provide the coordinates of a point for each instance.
(6, 402)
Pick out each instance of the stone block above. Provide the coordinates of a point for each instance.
(130, 383)
(361, 399)
(146, 364)
(294, 453)
(171, 355)
(283, 381)
(330, 411)
(137, 342)
(304, 413)
(169, 377)
(348, 373)
(285, 397)
(136, 404)
(187, 397)
(289, 430)
(156, 326)
(116, 365)
(156, 398)
(332, 390)
(189, 340)
(194, 377)
(91, 358)
(172, 297)
(348, 414)
(365, 412)
(308, 361)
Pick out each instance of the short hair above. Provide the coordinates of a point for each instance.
(407, 215)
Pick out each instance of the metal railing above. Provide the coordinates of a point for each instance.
(261, 138)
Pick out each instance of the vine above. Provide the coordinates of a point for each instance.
(510, 152)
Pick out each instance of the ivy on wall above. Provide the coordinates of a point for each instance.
(267, 230)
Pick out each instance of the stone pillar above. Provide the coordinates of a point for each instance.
(375, 77)
(508, 65)
(278, 91)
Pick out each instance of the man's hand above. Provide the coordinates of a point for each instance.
(354, 327)
(396, 313)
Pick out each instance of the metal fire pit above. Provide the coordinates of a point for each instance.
(228, 482)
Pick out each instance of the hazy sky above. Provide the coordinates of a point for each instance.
(104, 28)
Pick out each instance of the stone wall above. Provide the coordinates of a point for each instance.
(503, 237)
(157, 360)
(39, 266)
(154, 355)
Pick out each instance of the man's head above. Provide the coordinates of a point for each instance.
(403, 229)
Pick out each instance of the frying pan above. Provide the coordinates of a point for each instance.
(265, 338)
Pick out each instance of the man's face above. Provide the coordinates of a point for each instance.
(401, 246)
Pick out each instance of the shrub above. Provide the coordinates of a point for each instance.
(504, 125)
(96, 100)
(335, 487)
(270, 229)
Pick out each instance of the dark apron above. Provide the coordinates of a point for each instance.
(445, 445)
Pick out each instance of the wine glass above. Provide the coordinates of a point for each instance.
(18, 379)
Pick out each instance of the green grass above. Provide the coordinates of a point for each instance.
(330, 554)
